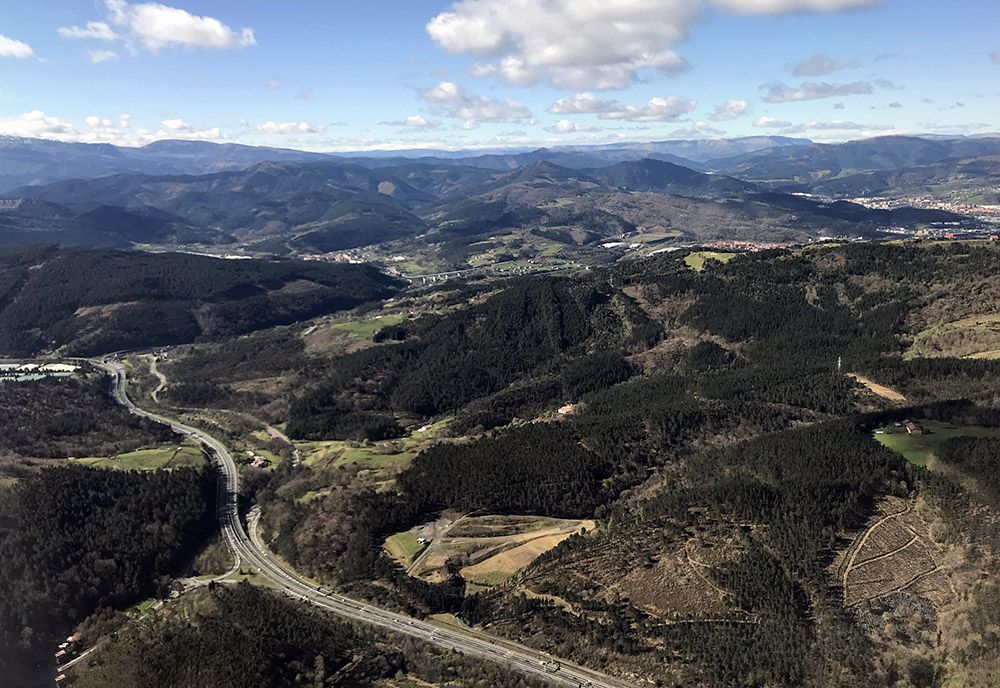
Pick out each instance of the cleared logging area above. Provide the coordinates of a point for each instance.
(893, 554)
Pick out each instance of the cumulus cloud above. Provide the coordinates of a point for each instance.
(565, 126)
(96, 129)
(731, 109)
(767, 122)
(697, 129)
(99, 31)
(99, 56)
(666, 109)
(36, 124)
(282, 128)
(588, 44)
(413, 122)
(180, 129)
(11, 47)
(451, 100)
(153, 26)
(779, 92)
(819, 65)
(840, 125)
(895, 105)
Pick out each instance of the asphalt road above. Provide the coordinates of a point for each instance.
(253, 552)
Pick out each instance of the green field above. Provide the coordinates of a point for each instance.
(387, 454)
(366, 329)
(922, 449)
(168, 456)
(312, 495)
(138, 610)
(696, 259)
(335, 453)
(403, 546)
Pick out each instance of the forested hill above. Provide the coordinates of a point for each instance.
(87, 302)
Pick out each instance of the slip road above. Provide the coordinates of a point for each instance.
(248, 547)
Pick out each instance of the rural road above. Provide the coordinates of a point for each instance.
(253, 552)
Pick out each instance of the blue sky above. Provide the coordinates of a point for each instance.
(327, 75)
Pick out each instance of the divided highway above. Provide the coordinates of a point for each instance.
(248, 547)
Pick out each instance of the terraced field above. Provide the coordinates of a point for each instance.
(488, 549)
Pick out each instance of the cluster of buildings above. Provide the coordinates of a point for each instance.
(984, 212)
(256, 460)
(27, 372)
(745, 246)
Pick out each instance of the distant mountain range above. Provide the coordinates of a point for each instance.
(800, 168)
(25, 161)
(288, 208)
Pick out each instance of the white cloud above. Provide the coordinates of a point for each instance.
(767, 122)
(451, 100)
(99, 56)
(582, 103)
(731, 109)
(154, 26)
(413, 122)
(11, 47)
(697, 129)
(36, 124)
(565, 126)
(95, 30)
(819, 65)
(588, 44)
(282, 128)
(840, 125)
(813, 90)
(666, 109)
(272, 85)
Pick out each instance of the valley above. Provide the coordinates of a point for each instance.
(602, 465)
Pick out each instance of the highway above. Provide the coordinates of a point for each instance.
(253, 552)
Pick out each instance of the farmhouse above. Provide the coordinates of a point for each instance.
(912, 428)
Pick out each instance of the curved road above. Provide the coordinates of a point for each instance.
(252, 551)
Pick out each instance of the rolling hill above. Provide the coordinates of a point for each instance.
(799, 167)
(289, 208)
(26, 161)
(92, 302)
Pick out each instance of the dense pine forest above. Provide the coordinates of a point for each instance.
(242, 636)
(714, 401)
(75, 541)
(95, 302)
(59, 418)
(789, 459)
